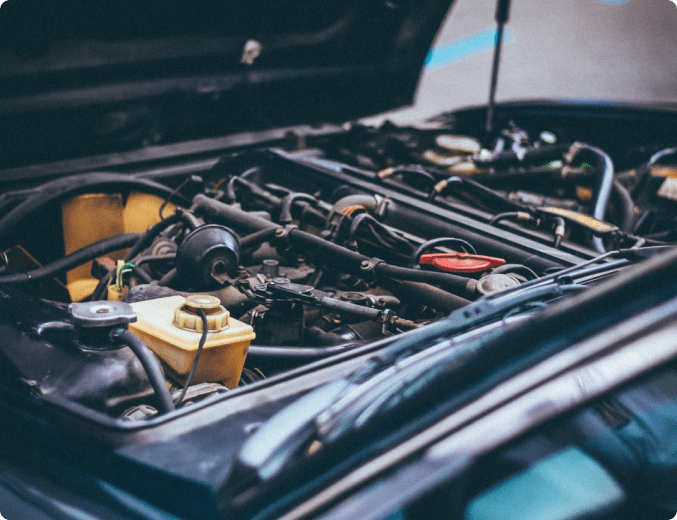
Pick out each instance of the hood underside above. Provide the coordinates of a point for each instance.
(90, 77)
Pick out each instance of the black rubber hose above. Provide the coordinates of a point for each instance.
(79, 257)
(449, 280)
(236, 218)
(150, 364)
(377, 227)
(501, 216)
(298, 353)
(368, 201)
(153, 258)
(318, 246)
(142, 243)
(644, 171)
(254, 240)
(625, 206)
(351, 261)
(169, 278)
(288, 202)
(511, 268)
(61, 189)
(466, 246)
(230, 188)
(239, 219)
(605, 170)
(411, 170)
(150, 235)
(425, 294)
(142, 274)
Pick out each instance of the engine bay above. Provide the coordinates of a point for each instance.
(243, 264)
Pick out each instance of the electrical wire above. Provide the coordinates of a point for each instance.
(127, 267)
(193, 368)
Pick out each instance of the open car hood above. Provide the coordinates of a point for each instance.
(104, 77)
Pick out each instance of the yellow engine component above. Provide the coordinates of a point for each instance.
(172, 329)
(664, 171)
(94, 216)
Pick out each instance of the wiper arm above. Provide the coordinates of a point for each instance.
(268, 450)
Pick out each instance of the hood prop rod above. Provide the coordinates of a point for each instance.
(502, 10)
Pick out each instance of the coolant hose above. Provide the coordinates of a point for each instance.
(79, 257)
(150, 364)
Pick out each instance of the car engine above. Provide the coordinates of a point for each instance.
(237, 263)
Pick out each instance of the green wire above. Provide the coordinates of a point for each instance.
(120, 274)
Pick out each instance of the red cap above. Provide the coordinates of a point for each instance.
(460, 262)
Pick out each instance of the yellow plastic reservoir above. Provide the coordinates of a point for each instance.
(172, 327)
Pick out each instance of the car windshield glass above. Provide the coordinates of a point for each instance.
(608, 460)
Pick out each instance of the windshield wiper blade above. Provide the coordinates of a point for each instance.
(267, 451)
(399, 382)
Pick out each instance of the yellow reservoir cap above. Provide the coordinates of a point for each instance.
(186, 317)
(224, 352)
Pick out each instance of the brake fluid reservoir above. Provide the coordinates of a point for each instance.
(172, 327)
